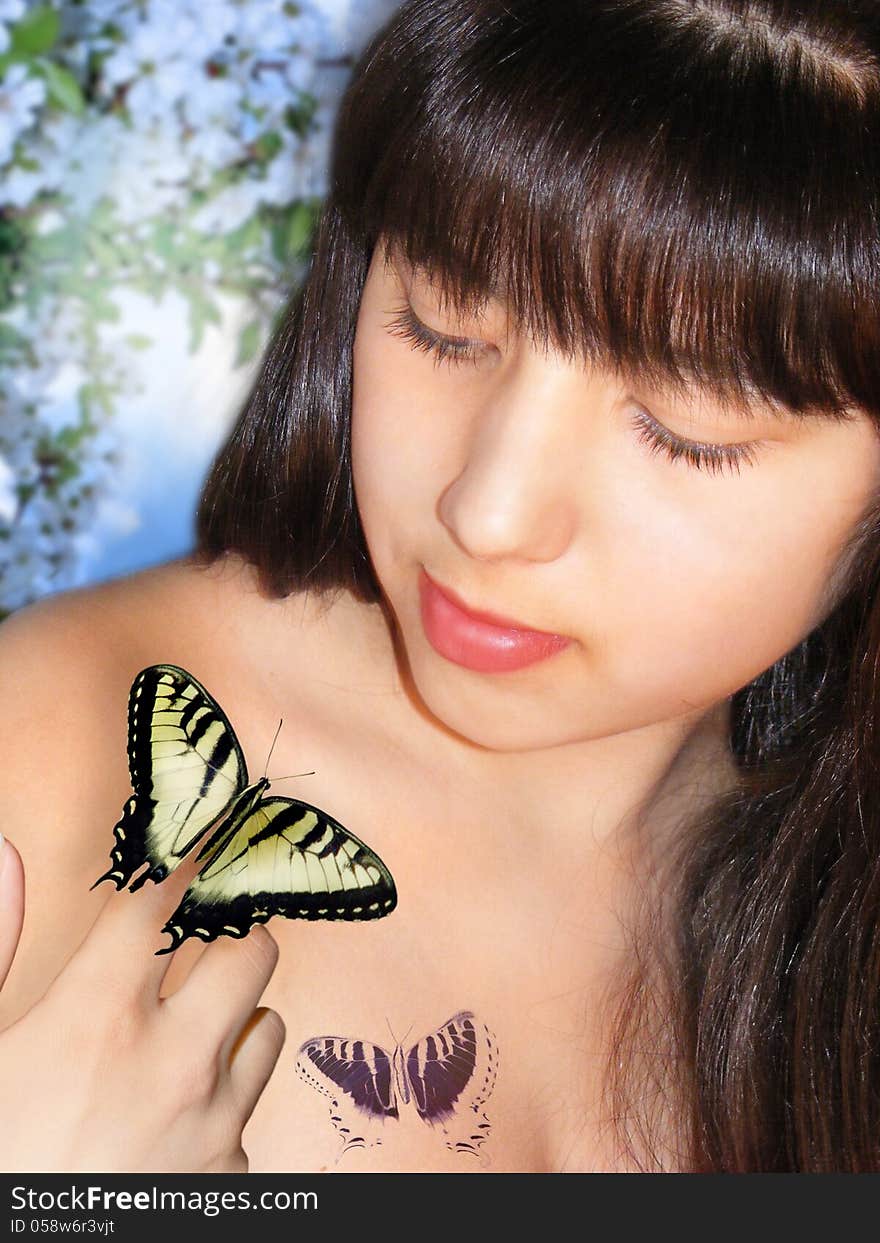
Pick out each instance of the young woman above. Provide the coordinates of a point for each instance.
(551, 531)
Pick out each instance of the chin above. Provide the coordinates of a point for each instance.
(489, 716)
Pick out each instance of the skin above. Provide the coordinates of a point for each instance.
(516, 479)
(128, 1042)
(515, 811)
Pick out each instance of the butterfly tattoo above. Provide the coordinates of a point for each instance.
(265, 856)
(446, 1077)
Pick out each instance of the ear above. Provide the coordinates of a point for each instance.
(11, 904)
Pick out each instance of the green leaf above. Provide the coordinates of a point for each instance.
(299, 116)
(99, 305)
(267, 146)
(249, 342)
(62, 87)
(93, 395)
(201, 312)
(10, 337)
(13, 237)
(301, 225)
(138, 341)
(63, 243)
(104, 252)
(292, 230)
(163, 240)
(36, 32)
(149, 283)
(278, 237)
(245, 237)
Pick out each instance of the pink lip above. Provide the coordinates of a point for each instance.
(480, 641)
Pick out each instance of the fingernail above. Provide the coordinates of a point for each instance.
(2, 851)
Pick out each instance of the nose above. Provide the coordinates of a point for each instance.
(514, 497)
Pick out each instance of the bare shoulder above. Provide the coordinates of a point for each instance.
(66, 666)
(66, 663)
(62, 662)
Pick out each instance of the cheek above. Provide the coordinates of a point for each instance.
(399, 455)
(387, 473)
(714, 602)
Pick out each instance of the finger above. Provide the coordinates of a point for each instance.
(120, 949)
(254, 1056)
(11, 904)
(222, 989)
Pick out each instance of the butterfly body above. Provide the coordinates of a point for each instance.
(265, 856)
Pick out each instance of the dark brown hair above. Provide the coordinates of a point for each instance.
(686, 191)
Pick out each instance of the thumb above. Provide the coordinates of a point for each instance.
(11, 904)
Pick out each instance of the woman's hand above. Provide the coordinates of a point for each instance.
(104, 1075)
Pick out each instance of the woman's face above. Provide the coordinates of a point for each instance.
(522, 483)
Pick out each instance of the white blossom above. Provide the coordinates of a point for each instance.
(10, 11)
(231, 208)
(215, 103)
(20, 97)
(152, 42)
(185, 88)
(8, 497)
(21, 186)
(213, 146)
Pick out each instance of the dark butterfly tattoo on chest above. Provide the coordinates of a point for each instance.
(264, 856)
(445, 1078)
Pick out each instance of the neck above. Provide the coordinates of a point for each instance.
(620, 790)
(602, 791)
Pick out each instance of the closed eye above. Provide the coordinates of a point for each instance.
(702, 455)
(406, 325)
(707, 456)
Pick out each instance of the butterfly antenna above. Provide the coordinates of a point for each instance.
(290, 776)
(272, 748)
(393, 1037)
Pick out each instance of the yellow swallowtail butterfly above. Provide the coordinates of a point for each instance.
(266, 856)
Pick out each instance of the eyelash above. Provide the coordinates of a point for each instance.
(406, 325)
(713, 458)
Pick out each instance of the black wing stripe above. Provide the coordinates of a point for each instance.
(196, 726)
(192, 710)
(360, 1070)
(219, 755)
(255, 867)
(439, 1070)
(264, 857)
(178, 791)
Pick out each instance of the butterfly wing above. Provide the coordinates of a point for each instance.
(281, 857)
(186, 769)
(359, 1079)
(451, 1073)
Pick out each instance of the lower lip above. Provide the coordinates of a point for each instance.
(476, 644)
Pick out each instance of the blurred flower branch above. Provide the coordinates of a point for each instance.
(149, 146)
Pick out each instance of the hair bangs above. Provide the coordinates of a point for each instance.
(617, 221)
